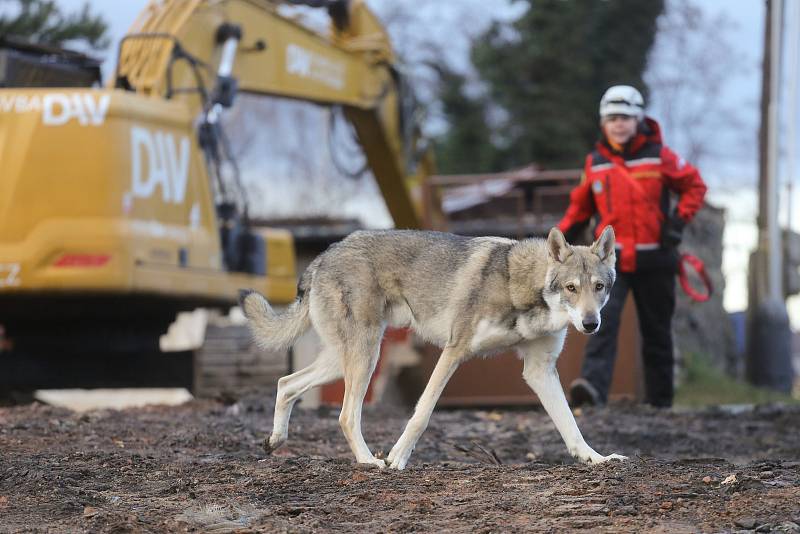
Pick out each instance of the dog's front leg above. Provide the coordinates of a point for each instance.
(445, 367)
(541, 375)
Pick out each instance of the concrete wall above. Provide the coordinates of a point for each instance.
(705, 327)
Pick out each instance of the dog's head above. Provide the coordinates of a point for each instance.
(580, 278)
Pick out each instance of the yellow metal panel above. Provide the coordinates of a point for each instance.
(296, 63)
(280, 252)
(90, 173)
(175, 281)
(143, 60)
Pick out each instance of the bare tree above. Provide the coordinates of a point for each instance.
(429, 35)
(690, 76)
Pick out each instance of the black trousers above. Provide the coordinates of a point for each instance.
(654, 295)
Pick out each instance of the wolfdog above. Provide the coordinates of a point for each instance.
(471, 296)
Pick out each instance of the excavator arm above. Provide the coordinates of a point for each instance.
(205, 51)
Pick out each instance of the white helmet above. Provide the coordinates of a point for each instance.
(622, 100)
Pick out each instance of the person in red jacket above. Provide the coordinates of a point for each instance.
(628, 182)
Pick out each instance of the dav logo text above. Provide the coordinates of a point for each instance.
(159, 161)
(57, 109)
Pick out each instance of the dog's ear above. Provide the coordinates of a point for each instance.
(557, 246)
(604, 247)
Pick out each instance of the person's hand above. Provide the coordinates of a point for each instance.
(672, 233)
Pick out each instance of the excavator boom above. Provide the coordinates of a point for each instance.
(170, 52)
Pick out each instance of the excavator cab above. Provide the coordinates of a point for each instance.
(243, 248)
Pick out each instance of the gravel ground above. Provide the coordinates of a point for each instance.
(200, 467)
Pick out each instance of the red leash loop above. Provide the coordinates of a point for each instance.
(695, 263)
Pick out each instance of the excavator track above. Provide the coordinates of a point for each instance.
(229, 362)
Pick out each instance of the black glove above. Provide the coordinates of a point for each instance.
(672, 231)
(579, 233)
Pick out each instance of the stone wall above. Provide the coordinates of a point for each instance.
(705, 327)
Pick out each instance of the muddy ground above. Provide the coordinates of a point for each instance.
(200, 467)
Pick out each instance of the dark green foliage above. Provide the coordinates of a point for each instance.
(43, 22)
(547, 71)
(466, 148)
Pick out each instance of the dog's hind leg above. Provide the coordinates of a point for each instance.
(326, 368)
(359, 364)
(541, 375)
(445, 367)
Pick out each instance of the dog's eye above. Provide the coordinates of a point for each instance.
(599, 286)
(571, 288)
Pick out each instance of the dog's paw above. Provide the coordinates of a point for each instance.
(398, 458)
(599, 459)
(399, 464)
(380, 464)
(272, 443)
(588, 455)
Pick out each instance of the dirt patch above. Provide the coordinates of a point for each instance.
(200, 467)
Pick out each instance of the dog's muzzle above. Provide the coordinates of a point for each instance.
(590, 326)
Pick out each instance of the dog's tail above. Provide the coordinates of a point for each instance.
(272, 330)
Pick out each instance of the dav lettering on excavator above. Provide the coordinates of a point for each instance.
(58, 109)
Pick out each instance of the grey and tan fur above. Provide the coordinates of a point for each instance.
(471, 296)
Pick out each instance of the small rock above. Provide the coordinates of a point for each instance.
(766, 474)
(666, 505)
(730, 479)
(90, 511)
(706, 480)
(359, 477)
(746, 522)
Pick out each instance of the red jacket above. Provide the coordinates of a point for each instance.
(629, 190)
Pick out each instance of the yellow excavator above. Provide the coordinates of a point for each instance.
(121, 206)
